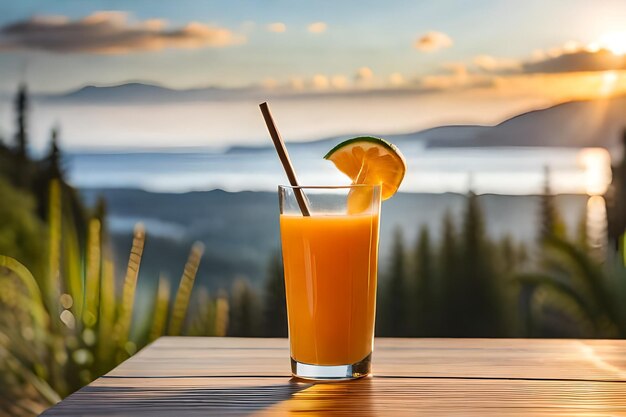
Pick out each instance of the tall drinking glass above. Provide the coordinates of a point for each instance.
(330, 259)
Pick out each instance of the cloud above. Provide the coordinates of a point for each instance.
(317, 27)
(364, 74)
(296, 83)
(339, 81)
(458, 76)
(490, 64)
(277, 27)
(109, 32)
(269, 83)
(396, 79)
(577, 61)
(568, 72)
(572, 56)
(433, 41)
(320, 82)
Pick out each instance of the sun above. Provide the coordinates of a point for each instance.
(614, 42)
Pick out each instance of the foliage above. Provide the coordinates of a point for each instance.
(569, 282)
(551, 224)
(22, 230)
(394, 317)
(274, 302)
(457, 288)
(245, 310)
(65, 319)
(62, 329)
(424, 291)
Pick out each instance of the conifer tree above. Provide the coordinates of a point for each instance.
(424, 291)
(550, 224)
(245, 317)
(21, 110)
(395, 310)
(616, 204)
(22, 170)
(479, 298)
(448, 276)
(508, 254)
(274, 304)
(53, 160)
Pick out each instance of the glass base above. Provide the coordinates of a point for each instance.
(332, 372)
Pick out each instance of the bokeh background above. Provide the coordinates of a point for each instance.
(138, 182)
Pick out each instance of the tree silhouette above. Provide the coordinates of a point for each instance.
(424, 286)
(53, 164)
(449, 271)
(480, 316)
(395, 317)
(616, 204)
(22, 169)
(550, 224)
(245, 318)
(21, 110)
(275, 308)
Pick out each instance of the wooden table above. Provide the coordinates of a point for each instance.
(182, 377)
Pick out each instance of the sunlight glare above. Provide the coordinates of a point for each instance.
(614, 42)
(609, 83)
(597, 165)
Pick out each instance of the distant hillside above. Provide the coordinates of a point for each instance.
(141, 93)
(573, 124)
(240, 230)
(407, 141)
(590, 123)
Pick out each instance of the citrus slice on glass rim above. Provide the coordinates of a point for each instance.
(370, 160)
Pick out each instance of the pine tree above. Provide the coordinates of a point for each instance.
(508, 254)
(6, 159)
(395, 310)
(22, 170)
(448, 277)
(245, 318)
(550, 224)
(616, 205)
(424, 294)
(21, 110)
(480, 316)
(53, 160)
(275, 307)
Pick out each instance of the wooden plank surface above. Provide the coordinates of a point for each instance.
(465, 377)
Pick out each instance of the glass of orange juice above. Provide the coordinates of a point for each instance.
(330, 258)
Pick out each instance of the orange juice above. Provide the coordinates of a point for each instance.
(330, 280)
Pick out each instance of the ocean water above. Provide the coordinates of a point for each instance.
(494, 170)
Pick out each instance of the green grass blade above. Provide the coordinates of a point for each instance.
(36, 306)
(221, 314)
(72, 267)
(122, 328)
(92, 279)
(107, 317)
(52, 289)
(161, 306)
(181, 303)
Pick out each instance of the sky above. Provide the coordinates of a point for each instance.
(285, 40)
(507, 56)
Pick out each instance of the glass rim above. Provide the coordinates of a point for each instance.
(328, 187)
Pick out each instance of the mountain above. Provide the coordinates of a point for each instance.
(586, 123)
(125, 92)
(137, 92)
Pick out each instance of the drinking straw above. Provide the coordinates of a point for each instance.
(284, 158)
